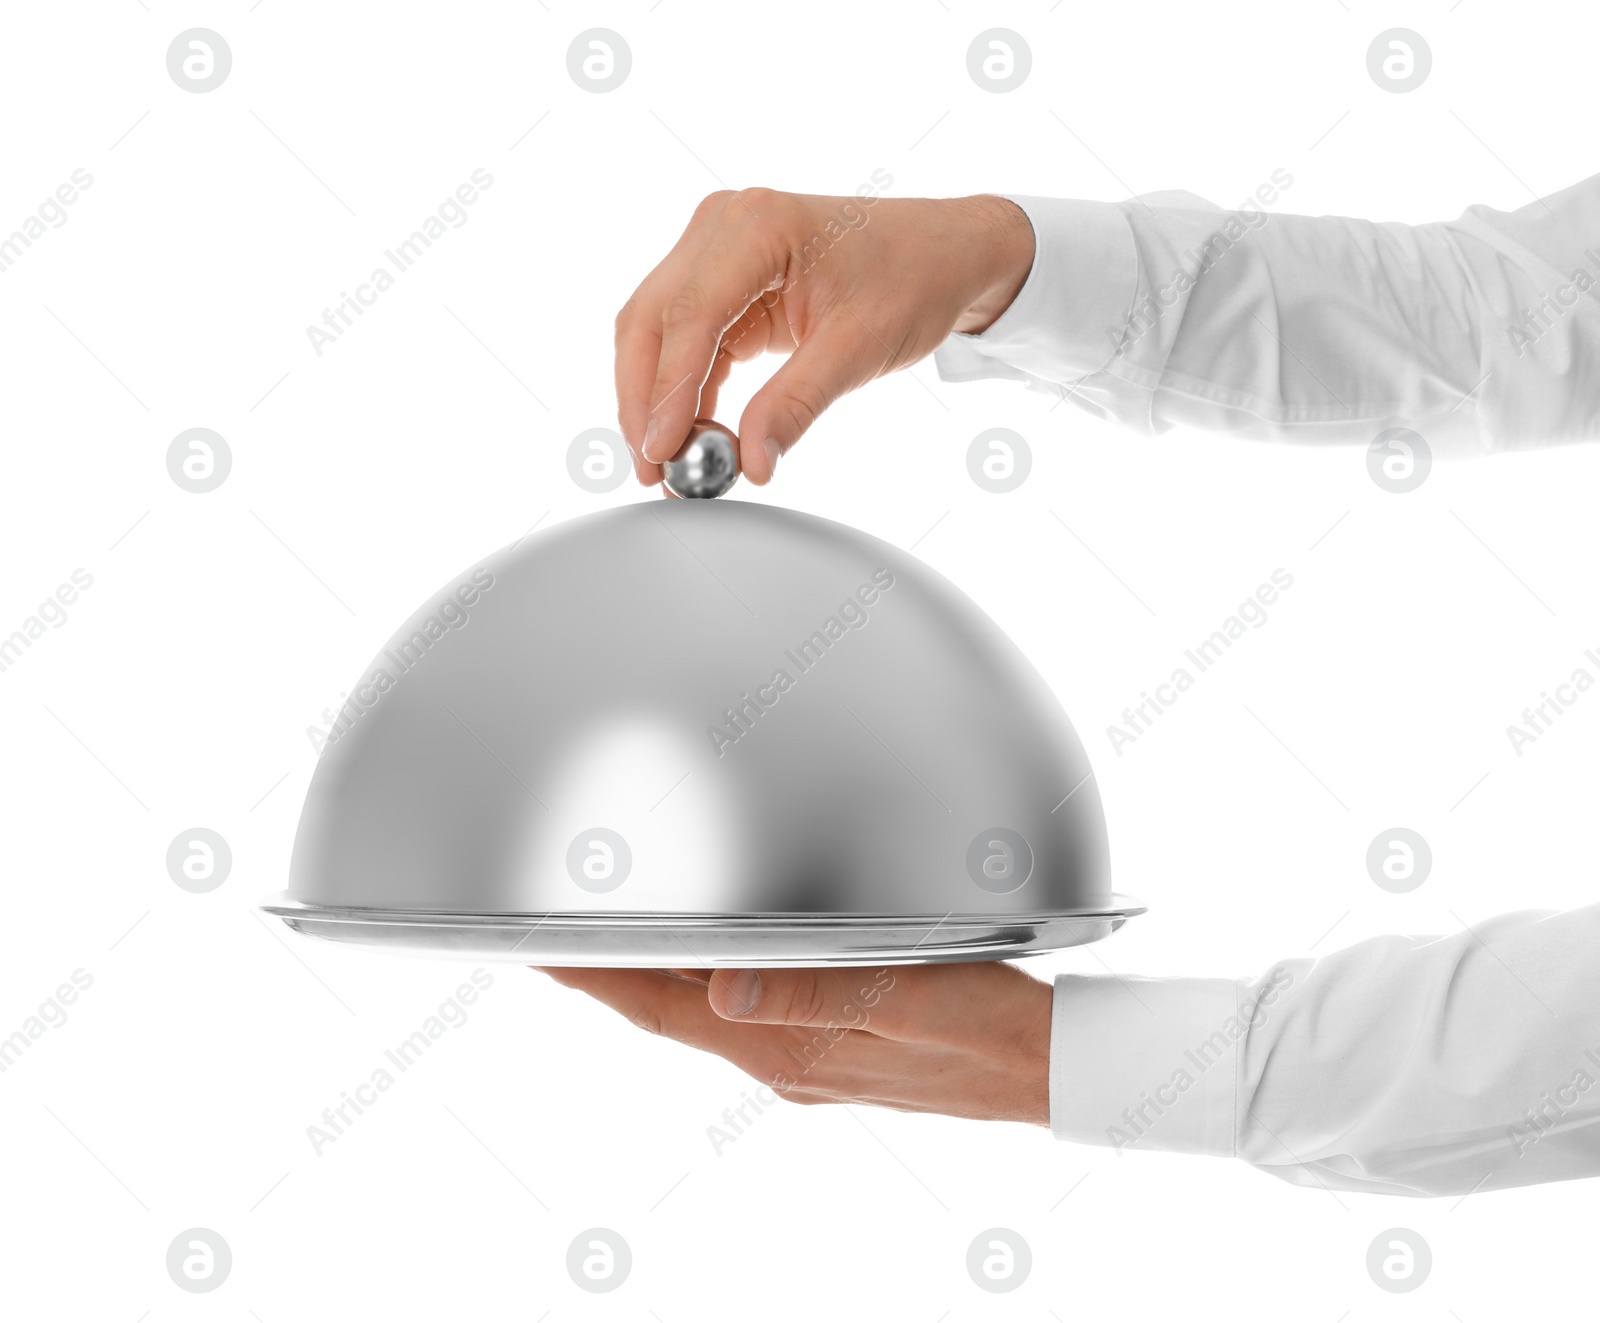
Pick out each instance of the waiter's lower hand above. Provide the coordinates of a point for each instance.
(969, 1040)
(850, 288)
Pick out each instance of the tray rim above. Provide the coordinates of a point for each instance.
(635, 940)
(282, 905)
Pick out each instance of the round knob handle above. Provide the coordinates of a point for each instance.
(707, 464)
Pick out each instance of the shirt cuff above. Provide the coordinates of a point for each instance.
(1065, 321)
(1142, 1063)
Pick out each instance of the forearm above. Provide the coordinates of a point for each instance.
(1479, 332)
(1403, 1065)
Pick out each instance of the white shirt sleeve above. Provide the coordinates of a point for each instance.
(1403, 1065)
(1480, 333)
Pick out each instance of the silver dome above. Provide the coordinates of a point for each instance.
(698, 733)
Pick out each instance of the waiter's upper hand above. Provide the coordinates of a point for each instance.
(851, 288)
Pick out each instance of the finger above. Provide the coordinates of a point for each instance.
(677, 1008)
(953, 1004)
(721, 368)
(734, 272)
(838, 357)
(638, 349)
(755, 332)
(638, 327)
(692, 975)
(652, 1000)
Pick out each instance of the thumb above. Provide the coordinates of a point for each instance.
(838, 358)
(846, 997)
(960, 1004)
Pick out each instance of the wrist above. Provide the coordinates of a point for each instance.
(1024, 1055)
(1003, 241)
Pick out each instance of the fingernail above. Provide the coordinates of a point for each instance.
(651, 428)
(744, 988)
(774, 453)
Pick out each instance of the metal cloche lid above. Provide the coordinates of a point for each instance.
(696, 733)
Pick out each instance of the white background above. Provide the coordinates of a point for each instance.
(178, 692)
